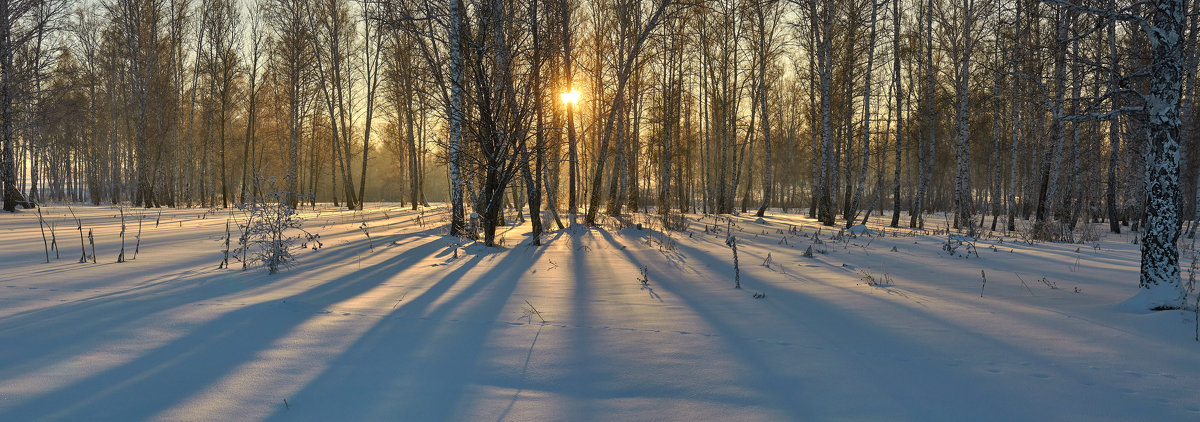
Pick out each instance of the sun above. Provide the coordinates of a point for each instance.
(571, 97)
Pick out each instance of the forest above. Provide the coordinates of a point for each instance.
(996, 111)
(598, 210)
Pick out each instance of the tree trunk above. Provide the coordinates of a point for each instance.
(624, 70)
(962, 139)
(899, 112)
(456, 117)
(930, 118)
(1160, 286)
(866, 121)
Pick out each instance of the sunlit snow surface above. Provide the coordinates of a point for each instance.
(406, 331)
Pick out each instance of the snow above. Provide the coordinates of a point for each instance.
(859, 230)
(428, 327)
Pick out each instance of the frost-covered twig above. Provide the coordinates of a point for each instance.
(270, 221)
(225, 258)
(1026, 285)
(984, 285)
(92, 242)
(137, 246)
(530, 311)
(737, 273)
(121, 256)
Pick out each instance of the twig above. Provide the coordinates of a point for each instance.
(121, 257)
(138, 246)
(79, 226)
(402, 295)
(42, 226)
(535, 311)
(1026, 285)
(92, 241)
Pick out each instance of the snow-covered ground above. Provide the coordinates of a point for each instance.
(418, 327)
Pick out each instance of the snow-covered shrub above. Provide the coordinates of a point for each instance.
(954, 242)
(270, 231)
(675, 222)
(868, 277)
(1087, 233)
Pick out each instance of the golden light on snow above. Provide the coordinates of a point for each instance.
(570, 97)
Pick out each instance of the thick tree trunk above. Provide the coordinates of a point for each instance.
(1160, 286)
(8, 166)
(962, 139)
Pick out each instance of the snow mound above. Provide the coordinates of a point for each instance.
(478, 248)
(1149, 300)
(859, 230)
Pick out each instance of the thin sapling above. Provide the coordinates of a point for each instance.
(121, 256)
(737, 273)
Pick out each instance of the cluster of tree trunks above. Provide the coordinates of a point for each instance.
(1052, 111)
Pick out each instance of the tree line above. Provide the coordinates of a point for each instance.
(1054, 111)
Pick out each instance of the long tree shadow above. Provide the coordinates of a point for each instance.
(58, 332)
(604, 369)
(169, 374)
(416, 363)
(52, 334)
(582, 358)
(773, 389)
(815, 325)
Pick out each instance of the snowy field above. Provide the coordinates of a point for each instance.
(412, 326)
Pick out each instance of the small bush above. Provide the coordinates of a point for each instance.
(267, 233)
